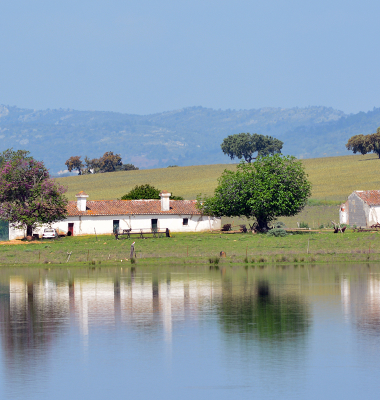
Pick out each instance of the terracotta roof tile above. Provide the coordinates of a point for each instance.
(371, 197)
(130, 207)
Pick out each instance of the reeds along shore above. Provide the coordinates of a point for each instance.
(198, 249)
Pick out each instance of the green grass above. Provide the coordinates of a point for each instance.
(333, 179)
(198, 248)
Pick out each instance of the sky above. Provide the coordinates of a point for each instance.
(143, 57)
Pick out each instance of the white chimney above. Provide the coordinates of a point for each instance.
(81, 201)
(165, 202)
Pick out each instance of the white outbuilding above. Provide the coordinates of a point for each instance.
(87, 217)
(362, 209)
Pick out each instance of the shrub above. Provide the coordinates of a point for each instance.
(279, 224)
(277, 232)
(147, 192)
(304, 225)
(226, 227)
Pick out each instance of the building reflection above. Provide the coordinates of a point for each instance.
(31, 315)
(34, 313)
(361, 302)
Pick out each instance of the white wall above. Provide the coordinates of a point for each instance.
(373, 215)
(84, 225)
(343, 213)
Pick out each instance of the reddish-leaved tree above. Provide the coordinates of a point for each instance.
(28, 196)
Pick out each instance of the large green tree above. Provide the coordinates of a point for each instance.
(273, 186)
(246, 145)
(28, 197)
(365, 143)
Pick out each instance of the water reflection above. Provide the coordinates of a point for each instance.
(231, 325)
(361, 302)
(258, 310)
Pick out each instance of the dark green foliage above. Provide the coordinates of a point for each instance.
(127, 167)
(304, 225)
(245, 145)
(147, 192)
(271, 187)
(365, 143)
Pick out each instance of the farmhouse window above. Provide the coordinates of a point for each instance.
(154, 223)
(185, 221)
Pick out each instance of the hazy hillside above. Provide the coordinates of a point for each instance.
(190, 136)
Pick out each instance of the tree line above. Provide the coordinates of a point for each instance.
(109, 162)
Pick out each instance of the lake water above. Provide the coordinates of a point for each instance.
(190, 333)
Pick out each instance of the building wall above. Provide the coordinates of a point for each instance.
(358, 211)
(373, 215)
(87, 225)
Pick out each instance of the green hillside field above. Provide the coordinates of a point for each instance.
(333, 179)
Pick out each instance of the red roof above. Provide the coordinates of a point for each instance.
(371, 197)
(133, 207)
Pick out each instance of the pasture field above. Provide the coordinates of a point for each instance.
(333, 179)
(197, 249)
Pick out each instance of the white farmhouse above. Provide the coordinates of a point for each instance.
(87, 217)
(361, 209)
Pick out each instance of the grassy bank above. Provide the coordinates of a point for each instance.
(198, 248)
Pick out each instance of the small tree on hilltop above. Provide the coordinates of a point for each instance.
(245, 145)
(273, 186)
(365, 143)
(28, 197)
(92, 165)
(75, 163)
(146, 192)
(109, 162)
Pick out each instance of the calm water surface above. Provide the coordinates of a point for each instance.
(190, 333)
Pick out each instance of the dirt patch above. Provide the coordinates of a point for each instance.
(17, 241)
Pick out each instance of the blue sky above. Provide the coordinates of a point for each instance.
(150, 56)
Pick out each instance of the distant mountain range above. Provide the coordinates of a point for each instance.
(189, 136)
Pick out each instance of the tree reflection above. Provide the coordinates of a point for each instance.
(256, 310)
(27, 326)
